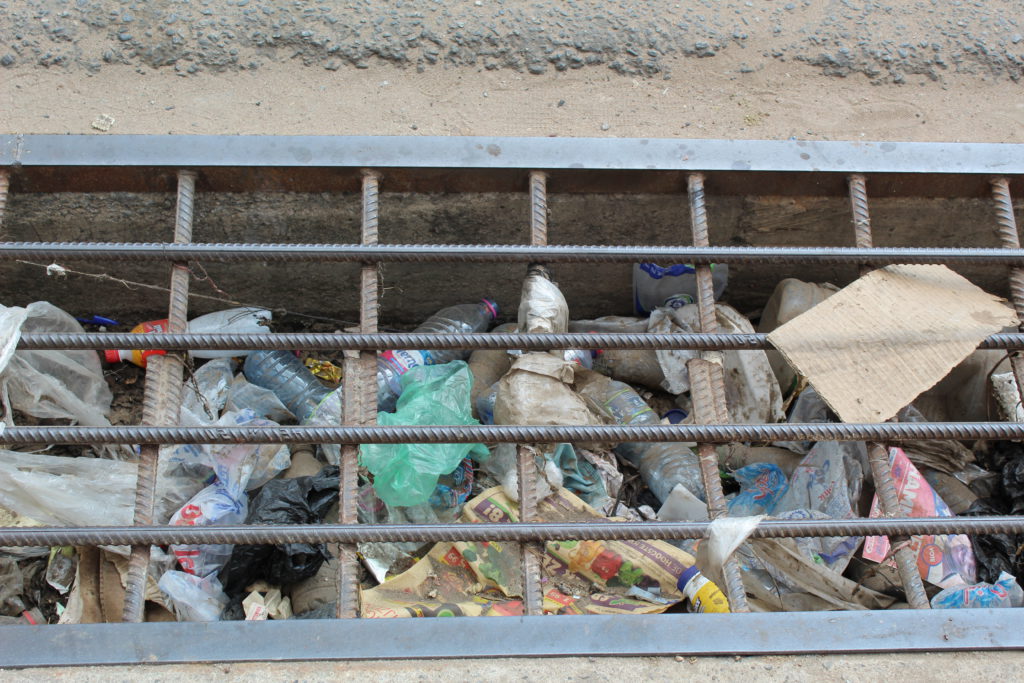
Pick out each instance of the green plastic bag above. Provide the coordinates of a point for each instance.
(406, 474)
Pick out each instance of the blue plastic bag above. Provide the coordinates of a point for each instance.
(407, 474)
(762, 486)
(1003, 593)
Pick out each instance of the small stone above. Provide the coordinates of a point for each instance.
(124, 36)
(103, 122)
(679, 658)
(7, 59)
(1016, 38)
(605, 126)
(561, 103)
(414, 127)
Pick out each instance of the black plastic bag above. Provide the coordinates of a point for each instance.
(995, 553)
(302, 500)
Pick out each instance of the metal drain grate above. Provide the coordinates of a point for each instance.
(97, 163)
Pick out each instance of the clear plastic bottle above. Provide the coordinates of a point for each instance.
(284, 374)
(662, 465)
(461, 319)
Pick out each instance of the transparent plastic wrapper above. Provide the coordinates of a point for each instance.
(194, 598)
(66, 491)
(829, 480)
(243, 395)
(214, 505)
(751, 390)
(207, 389)
(485, 579)
(406, 474)
(807, 408)
(673, 286)
(542, 307)
(62, 385)
(762, 486)
(944, 561)
(559, 465)
(1005, 592)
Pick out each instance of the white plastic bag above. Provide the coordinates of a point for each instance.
(752, 392)
(207, 389)
(542, 307)
(194, 598)
(216, 504)
(63, 385)
(66, 491)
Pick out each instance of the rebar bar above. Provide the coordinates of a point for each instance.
(360, 404)
(878, 459)
(817, 431)
(711, 391)
(595, 529)
(1010, 239)
(5, 182)
(162, 399)
(526, 470)
(492, 253)
(315, 341)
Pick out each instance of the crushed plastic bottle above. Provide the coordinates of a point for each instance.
(461, 319)
(284, 374)
(232, 320)
(675, 286)
(662, 465)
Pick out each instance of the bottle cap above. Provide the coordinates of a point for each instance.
(112, 356)
(685, 577)
(491, 307)
(675, 416)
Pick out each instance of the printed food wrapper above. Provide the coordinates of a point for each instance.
(578, 577)
(945, 561)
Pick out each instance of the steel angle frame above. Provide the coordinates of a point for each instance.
(436, 638)
(190, 165)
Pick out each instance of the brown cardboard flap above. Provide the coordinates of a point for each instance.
(873, 347)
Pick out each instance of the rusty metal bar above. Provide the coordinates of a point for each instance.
(162, 401)
(878, 454)
(710, 433)
(592, 529)
(533, 602)
(4, 184)
(498, 253)
(360, 399)
(1010, 239)
(710, 393)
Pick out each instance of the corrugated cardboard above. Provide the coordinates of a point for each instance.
(870, 349)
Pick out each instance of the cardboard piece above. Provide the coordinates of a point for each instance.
(873, 347)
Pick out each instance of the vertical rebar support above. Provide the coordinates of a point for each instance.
(4, 184)
(1010, 239)
(708, 387)
(161, 401)
(359, 405)
(533, 602)
(878, 454)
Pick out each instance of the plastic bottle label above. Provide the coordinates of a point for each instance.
(634, 406)
(402, 361)
(705, 596)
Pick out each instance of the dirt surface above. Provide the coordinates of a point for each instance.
(887, 41)
(942, 70)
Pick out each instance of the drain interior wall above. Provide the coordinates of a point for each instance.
(412, 290)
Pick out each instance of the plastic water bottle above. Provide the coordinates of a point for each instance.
(284, 374)
(662, 465)
(704, 595)
(461, 319)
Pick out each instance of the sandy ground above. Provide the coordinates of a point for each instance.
(744, 91)
(704, 99)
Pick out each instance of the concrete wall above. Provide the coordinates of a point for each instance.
(412, 291)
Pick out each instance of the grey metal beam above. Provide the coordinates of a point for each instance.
(665, 634)
(184, 151)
